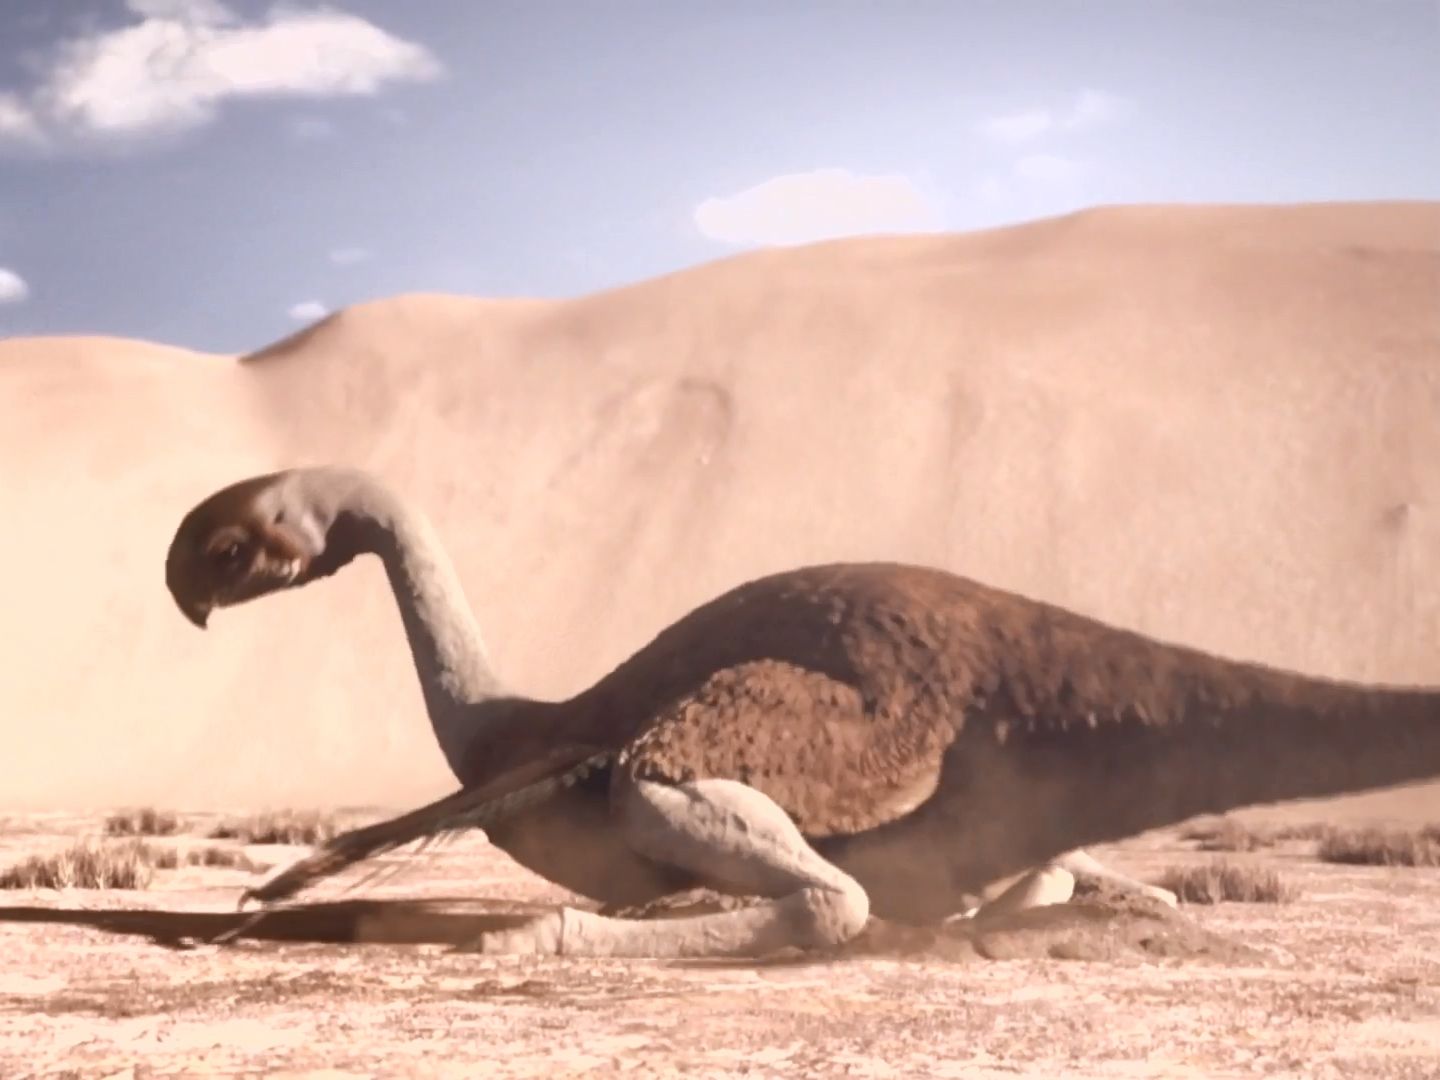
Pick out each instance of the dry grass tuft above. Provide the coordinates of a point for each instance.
(278, 827)
(218, 856)
(129, 864)
(1312, 830)
(1227, 834)
(1382, 847)
(146, 821)
(1221, 882)
(172, 859)
(85, 865)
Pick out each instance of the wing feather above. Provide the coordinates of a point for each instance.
(835, 761)
(468, 808)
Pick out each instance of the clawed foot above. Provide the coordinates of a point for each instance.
(540, 936)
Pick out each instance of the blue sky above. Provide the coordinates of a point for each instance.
(215, 175)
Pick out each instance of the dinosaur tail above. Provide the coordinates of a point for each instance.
(469, 808)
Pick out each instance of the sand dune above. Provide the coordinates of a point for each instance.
(1220, 425)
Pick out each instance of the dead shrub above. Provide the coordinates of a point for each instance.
(128, 864)
(1225, 882)
(1374, 846)
(228, 858)
(173, 858)
(1227, 834)
(278, 827)
(85, 865)
(146, 821)
(1311, 830)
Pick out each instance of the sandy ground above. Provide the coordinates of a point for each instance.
(1342, 982)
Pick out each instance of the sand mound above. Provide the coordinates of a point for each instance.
(1218, 425)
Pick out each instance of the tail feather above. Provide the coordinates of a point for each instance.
(468, 808)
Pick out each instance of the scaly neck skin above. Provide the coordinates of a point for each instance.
(462, 694)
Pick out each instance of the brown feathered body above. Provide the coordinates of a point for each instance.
(931, 734)
(927, 733)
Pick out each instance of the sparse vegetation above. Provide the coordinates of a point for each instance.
(128, 864)
(278, 827)
(218, 856)
(1366, 846)
(169, 858)
(1382, 847)
(1227, 834)
(1312, 830)
(85, 865)
(146, 821)
(1230, 834)
(1221, 882)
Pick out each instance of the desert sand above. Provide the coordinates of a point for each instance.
(1217, 425)
(1339, 983)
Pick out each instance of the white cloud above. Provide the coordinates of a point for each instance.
(799, 208)
(349, 256)
(173, 68)
(1049, 169)
(13, 289)
(308, 311)
(1017, 127)
(17, 122)
(1091, 108)
(1088, 109)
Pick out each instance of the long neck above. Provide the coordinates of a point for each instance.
(460, 688)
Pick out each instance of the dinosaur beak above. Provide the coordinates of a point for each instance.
(181, 579)
(197, 613)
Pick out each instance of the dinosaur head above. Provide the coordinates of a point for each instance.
(244, 541)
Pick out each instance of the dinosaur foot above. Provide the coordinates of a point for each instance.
(1040, 888)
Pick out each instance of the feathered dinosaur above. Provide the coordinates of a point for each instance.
(840, 739)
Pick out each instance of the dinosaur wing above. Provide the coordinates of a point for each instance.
(834, 762)
(470, 807)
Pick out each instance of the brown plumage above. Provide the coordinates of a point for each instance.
(819, 684)
(925, 732)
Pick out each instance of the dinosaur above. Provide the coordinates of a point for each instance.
(839, 740)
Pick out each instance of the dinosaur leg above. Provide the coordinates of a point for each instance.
(1050, 884)
(734, 838)
(1054, 883)
(1080, 863)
